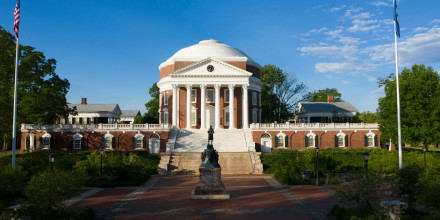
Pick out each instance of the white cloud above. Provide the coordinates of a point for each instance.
(379, 90)
(335, 9)
(362, 25)
(435, 21)
(420, 29)
(381, 3)
(345, 82)
(330, 51)
(343, 68)
(372, 79)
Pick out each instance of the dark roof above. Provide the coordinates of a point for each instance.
(130, 113)
(327, 107)
(94, 107)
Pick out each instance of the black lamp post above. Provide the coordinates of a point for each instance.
(101, 152)
(51, 160)
(317, 165)
(366, 157)
(425, 149)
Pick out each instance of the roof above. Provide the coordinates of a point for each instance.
(208, 48)
(326, 107)
(87, 108)
(130, 113)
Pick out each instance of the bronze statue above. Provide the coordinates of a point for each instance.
(210, 135)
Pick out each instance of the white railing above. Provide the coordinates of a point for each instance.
(288, 125)
(66, 127)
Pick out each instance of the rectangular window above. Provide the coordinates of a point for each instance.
(227, 118)
(193, 118)
(341, 141)
(193, 96)
(46, 142)
(73, 121)
(259, 99)
(108, 143)
(209, 95)
(254, 116)
(281, 141)
(311, 141)
(226, 96)
(254, 98)
(139, 143)
(370, 141)
(88, 120)
(165, 98)
(165, 117)
(77, 143)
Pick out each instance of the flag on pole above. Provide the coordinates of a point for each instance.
(17, 18)
(396, 19)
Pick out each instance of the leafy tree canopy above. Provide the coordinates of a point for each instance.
(419, 106)
(366, 117)
(152, 106)
(41, 93)
(280, 94)
(321, 95)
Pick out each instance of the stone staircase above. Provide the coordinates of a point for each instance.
(236, 152)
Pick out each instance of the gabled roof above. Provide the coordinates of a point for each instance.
(96, 108)
(325, 107)
(130, 113)
(199, 69)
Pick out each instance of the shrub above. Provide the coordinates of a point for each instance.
(12, 182)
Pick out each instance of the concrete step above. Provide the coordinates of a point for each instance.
(224, 141)
(230, 162)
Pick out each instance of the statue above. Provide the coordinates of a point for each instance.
(210, 185)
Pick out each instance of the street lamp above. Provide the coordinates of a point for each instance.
(51, 160)
(101, 152)
(366, 157)
(317, 166)
(425, 149)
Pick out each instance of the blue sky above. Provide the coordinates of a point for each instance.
(110, 50)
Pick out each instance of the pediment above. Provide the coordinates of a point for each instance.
(220, 69)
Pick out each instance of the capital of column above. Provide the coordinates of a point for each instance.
(217, 86)
(188, 86)
(175, 86)
(202, 86)
(231, 86)
(245, 86)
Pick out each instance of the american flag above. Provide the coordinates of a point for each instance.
(17, 17)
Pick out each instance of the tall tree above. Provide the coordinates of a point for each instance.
(321, 95)
(152, 106)
(419, 101)
(280, 94)
(41, 93)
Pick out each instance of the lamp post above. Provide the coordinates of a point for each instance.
(425, 149)
(101, 152)
(366, 157)
(317, 165)
(51, 160)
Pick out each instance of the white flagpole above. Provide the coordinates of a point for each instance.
(399, 133)
(14, 132)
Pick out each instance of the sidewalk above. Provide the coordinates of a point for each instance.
(168, 197)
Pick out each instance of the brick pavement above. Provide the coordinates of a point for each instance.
(167, 197)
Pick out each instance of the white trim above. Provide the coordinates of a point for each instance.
(226, 96)
(195, 96)
(207, 95)
(340, 134)
(312, 136)
(77, 137)
(281, 136)
(165, 98)
(226, 112)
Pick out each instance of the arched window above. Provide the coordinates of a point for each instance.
(370, 140)
(154, 143)
(139, 141)
(45, 141)
(77, 141)
(266, 143)
(341, 140)
(281, 140)
(311, 140)
(108, 141)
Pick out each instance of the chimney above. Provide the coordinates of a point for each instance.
(83, 101)
(330, 99)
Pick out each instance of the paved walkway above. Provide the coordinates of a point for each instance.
(168, 197)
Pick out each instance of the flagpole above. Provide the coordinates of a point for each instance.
(14, 132)
(399, 133)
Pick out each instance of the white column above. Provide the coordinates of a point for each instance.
(231, 106)
(245, 113)
(203, 105)
(188, 106)
(174, 114)
(217, 105)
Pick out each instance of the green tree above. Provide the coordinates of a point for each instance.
(419, 104)
(366, 117)
(41, 93)
(152, 106)
(280, 94)
(321, 95)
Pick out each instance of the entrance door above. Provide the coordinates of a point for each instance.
(210, 116)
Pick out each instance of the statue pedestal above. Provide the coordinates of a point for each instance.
(210, 185)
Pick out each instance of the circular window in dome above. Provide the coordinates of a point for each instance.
(210, 68)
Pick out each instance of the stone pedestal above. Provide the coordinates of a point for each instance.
(210, 185)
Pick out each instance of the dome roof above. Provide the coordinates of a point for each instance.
(208, 48)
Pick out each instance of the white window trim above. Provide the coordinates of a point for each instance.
(195, 96)
(207, 96)
(281, 136)
(226, 111)
(269, 141)
(165, 98)
(150, 143)
(165, 116)
(108, 137)
(193, 113)
(140, 137)
(312, 135)
(77, 137)
(372, 136)
(46, 145)
(226, 96)
(340, 134)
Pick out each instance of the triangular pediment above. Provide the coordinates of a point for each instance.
(210, 67)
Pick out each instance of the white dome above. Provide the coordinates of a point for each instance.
(208, 48)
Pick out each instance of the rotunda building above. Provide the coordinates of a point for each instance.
(210, 84)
